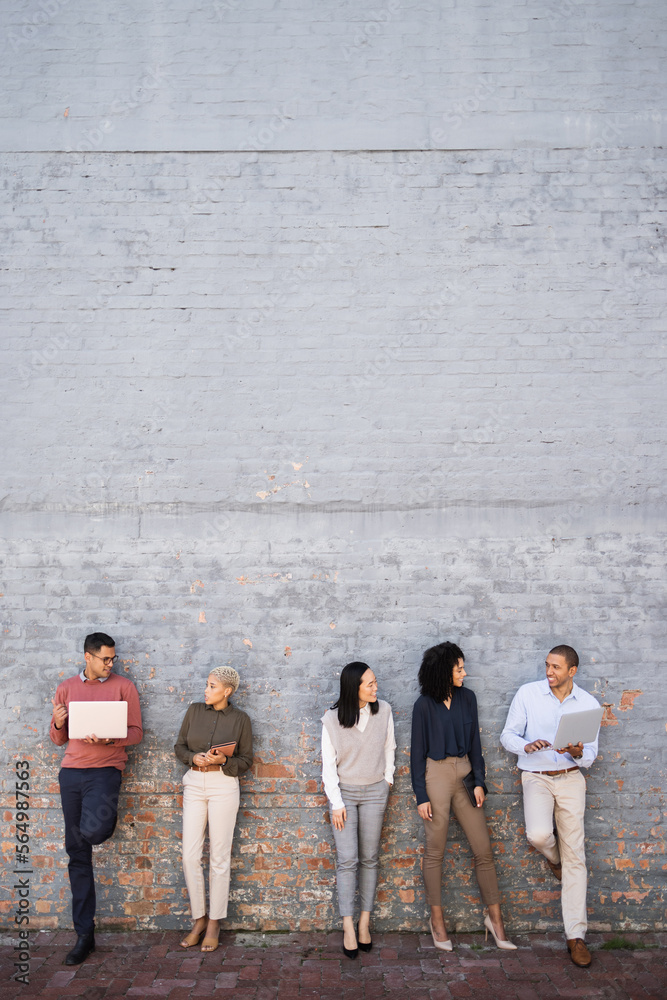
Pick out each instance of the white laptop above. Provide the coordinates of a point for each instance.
(105, 719)
(578, 727)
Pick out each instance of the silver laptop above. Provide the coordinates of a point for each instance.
(578, 727)
(105, 719)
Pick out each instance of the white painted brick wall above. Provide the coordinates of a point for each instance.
(397, 370)
(471, 335)
(327, 74)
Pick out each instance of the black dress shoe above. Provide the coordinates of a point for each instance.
(85, 943)
(350, 952)
(363, 946)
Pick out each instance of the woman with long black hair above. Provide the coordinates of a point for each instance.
(357, 770)
(445, 751)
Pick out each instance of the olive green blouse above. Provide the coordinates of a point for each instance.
(204, 727)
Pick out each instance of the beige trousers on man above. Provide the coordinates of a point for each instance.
(208, 797)
(562, 796)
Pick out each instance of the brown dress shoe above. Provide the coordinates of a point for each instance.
(556, 869)
(579, 953)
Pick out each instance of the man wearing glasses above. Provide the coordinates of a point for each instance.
(90, 777)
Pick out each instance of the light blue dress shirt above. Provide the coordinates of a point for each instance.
(534, 715)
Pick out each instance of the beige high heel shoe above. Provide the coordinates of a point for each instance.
(505, 945)
(193, 938)
(440, 945)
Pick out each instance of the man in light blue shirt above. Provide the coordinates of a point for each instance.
(553, 782)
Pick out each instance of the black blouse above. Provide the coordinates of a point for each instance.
(439, 732)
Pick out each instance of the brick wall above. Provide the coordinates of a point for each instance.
(331, 332)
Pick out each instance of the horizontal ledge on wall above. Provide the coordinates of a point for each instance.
(362, 151)
(225, 526)
(478, 130)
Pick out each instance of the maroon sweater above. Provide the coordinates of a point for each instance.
(81, 754)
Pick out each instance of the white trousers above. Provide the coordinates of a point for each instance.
(562, 796)
(208, 797)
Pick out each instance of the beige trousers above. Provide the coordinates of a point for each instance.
(445, 790)
(562, 796)
(208, 797)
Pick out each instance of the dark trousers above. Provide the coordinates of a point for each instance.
(90, 806)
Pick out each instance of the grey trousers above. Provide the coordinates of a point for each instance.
(358, 844)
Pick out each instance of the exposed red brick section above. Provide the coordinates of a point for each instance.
(628, 700)
(608, 718)
(283, 862)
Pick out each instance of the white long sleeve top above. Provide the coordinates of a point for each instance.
(329, 770)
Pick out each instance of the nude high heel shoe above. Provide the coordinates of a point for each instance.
(505, 945)
(440, 945)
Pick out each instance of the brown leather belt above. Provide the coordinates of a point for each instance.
(209, 767)
(563, 770)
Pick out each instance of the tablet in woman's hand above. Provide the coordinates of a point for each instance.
(224, 748)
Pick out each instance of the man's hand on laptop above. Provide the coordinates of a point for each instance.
(95, 739)
(575, 750)
(59, 714)
(536, 745)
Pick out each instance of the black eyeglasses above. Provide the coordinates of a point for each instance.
(108, 661)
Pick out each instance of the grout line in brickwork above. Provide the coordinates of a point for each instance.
(288, 152)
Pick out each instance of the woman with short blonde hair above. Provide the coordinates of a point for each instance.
(215, 742)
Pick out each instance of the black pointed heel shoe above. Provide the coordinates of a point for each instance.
(360, 944)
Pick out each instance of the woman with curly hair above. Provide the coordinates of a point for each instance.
(447, 770)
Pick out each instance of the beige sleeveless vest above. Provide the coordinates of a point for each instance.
(360, 758)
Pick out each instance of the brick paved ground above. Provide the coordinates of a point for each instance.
(289, 966)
